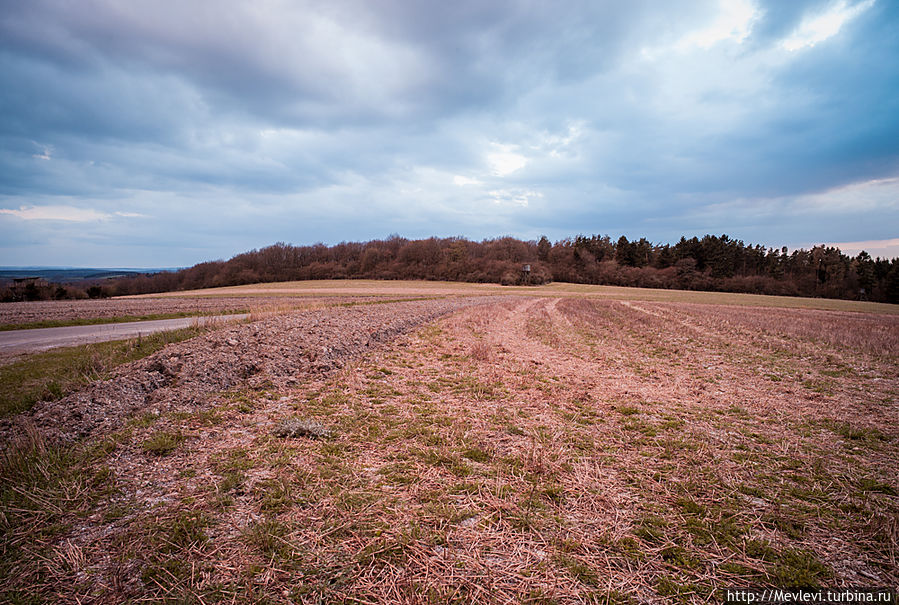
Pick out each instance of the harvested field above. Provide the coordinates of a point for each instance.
(408, 288)
(273, 352)
(67, 310)
(540, 450)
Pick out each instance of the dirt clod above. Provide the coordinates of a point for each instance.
(301, 427)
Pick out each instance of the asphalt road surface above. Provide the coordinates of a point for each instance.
(41, 339)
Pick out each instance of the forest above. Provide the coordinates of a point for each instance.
(711, 263)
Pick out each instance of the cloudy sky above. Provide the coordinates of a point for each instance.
(164, 133)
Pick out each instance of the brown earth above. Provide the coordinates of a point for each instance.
(538, 450)
(273, 352)
(61, 310)
(412, 288)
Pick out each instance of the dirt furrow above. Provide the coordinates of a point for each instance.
(526, 450)
(276, 351)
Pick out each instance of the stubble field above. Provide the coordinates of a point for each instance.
(557, 449)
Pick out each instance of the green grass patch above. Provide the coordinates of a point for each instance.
(680, 557)
(162, 443)
(54, 374)
(675, 588)
(182, 531)
(854, 432)
(275, 495)
(580, 570)
(790, 567)
(268, 538)
(399, 473)
(43, 489)
(237, 459)
(797, 568)
(168, 537)
(385, 301)
(872, 484)
(823, 387)
(476, 454)
(651, 528)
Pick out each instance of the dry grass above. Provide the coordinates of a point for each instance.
(537, 451)
(258, 312)
(43, 488)
(53, 374)
(866, 333)
(405, 289)
(301, 427)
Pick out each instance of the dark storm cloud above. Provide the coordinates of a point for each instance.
(308, 63)
(836, 116)
(778, 19)
(215, 126)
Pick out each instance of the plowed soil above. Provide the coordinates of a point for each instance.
(547, 450)
(61, 310)
(273, 352)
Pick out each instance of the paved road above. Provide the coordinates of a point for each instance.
(41, 339)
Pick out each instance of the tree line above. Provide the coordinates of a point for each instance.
(713, 263)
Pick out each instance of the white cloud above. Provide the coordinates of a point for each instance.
(45, 153)
(504, 160)
(864, 195)
(559, 145)
(352, 120)
(884, 248)
(462, 181)
(733, 22)
(826, 25)
(879, 195)
(514, 197)
(56, 213)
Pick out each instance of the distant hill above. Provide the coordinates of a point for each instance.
(712, 263)
(68, 275)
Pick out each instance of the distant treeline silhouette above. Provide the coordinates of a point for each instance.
(713, 263)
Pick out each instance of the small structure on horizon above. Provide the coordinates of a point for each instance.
(526, 274)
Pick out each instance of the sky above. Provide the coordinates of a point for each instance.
(164, 133)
